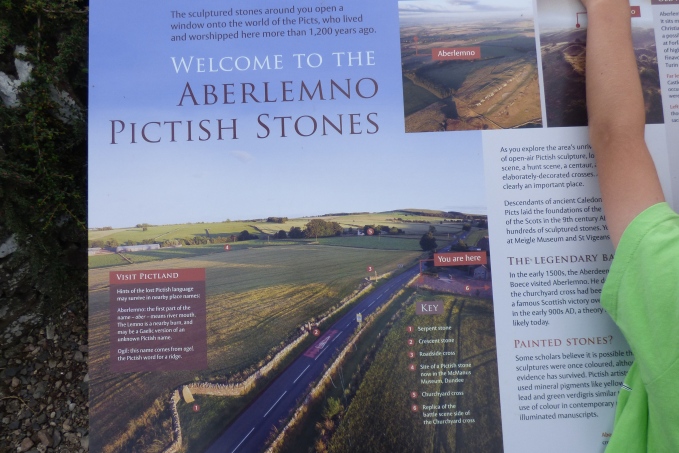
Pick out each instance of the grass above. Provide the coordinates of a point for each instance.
(382, 403)
(108, 260)
(412, 222)
(166, 253)
(475, 236)
(374, 242)
(497, 37)
(415, 98)
(304, 440)
(164, 232)
(408, 242)
(216, 413)
(200, 428)
(256, 298)
(460, 76)
(451, 74)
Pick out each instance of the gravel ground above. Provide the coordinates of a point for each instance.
(44, 383)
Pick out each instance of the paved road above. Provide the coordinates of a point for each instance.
(252, 428)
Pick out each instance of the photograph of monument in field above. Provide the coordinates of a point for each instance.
(563, 34)
(468, 66)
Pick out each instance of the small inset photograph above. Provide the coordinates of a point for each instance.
(469, 65)
(563, 34)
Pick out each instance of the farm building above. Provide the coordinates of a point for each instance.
(482, 272)
(137, 248)
(484, 244)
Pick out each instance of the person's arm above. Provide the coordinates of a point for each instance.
(615, 104)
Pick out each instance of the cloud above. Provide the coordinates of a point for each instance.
(242, 156)
(456, 6)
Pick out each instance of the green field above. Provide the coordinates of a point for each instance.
(403, 243)
(164, 232)
(410, 221)
(374, 242)
(450, 74)
(200, 429)
(107, 260)
(415, 98)
(259, 294)
(257, 297)
(485, 38)
(408, 242)
(218, 412)
(352, 370)
(166, 253)
(515, 47)
(382, 403)
(475, 236)
(455, 73)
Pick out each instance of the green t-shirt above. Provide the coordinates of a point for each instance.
(642, 296)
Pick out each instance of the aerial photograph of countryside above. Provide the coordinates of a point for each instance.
(307, 325)
(563, 34)
(469, 65)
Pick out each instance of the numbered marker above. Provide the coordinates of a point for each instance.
(371, 269)
(227, 247)
(196, 407)
(411, 354)
(414, 408)
(370, 232)
(413, 395)
(411, 341)
(410, 329)
(467, 288)
(316, 332)
(412, 367)
(577, 18)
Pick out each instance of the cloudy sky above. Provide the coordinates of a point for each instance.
(464, 10)
(133, 80)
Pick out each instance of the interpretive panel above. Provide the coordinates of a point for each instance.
(354, 226)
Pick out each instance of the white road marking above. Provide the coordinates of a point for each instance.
(337, 336)
(274, 404)
(241, 442)
(322, 344)
(319, 354)
(300, 374)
